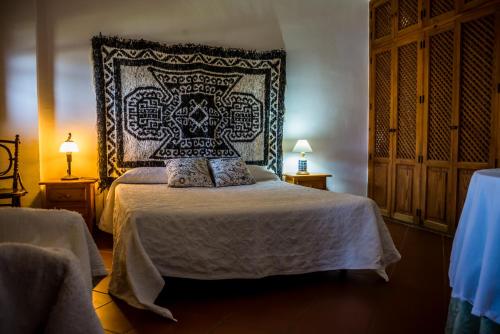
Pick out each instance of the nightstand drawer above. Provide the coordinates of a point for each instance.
(313, 184)
(66, 194)
(74, 195)
(314, 180)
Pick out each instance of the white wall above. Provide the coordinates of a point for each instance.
(327, 92)
(327, 70)
(18, 95)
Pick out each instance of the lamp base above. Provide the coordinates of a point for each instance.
(69, 177)
(302, 170)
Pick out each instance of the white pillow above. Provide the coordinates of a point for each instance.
(145, 175)
(261, 173)
(188, 172)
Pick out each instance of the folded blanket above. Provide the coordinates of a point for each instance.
(42, 290)
(58, 229)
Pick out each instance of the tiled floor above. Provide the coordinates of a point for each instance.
(414, 301)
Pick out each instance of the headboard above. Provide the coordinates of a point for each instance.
(157, 102)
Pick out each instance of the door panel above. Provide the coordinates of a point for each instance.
(403, 207)
(437, 11)
(380, 190)
(406, 173)
(437, 205)
(440, 96)
(440, 7)
(407, 102)
(464, 176)
(382, 103)
(382, 21)
(476, 89)
(407, 14)
(437, 154)
(476, 148)
(468, 4)
(380, 185)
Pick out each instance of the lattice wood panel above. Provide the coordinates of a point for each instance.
(440, 96)
(383, 20)
(477, 55)
(407, 13)
(464, 178)
(439, 7)
(407, 101)
(382, 103)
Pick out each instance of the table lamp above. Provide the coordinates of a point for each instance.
(68, 147)
(302, 147)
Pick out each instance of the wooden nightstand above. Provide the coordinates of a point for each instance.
(313, 180)
(74, 195)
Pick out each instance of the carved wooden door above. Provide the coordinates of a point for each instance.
(406, 131)
(437, 172)
(380, 123)
(434, 105)
(459, 117)
(477, 101)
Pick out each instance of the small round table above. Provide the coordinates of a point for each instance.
(475, 258)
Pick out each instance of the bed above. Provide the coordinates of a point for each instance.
(157, 103)
(253, 231)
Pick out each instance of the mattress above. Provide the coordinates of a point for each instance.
(269, 228)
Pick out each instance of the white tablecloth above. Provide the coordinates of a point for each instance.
(54, 229)
(475, 259)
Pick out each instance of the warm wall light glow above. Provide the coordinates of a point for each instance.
(302, 146)
(68, 146)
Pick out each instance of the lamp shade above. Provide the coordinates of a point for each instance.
(68, 146)
(302, 146)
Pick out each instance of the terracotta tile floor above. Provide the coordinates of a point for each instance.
(414, 301)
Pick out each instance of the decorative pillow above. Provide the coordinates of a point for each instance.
(145, 175)
(188, 172)
(261, 173)
(230, 172)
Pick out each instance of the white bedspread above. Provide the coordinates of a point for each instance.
(270, 228)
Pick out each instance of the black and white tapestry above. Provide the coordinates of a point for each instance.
(157, 102)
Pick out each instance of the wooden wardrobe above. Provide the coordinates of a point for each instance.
(434, 105)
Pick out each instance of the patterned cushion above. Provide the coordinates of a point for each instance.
(230, 172)
(188, 172)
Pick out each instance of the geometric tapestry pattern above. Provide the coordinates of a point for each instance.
(157, 102)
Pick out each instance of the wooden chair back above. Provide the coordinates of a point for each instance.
(10, 149)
